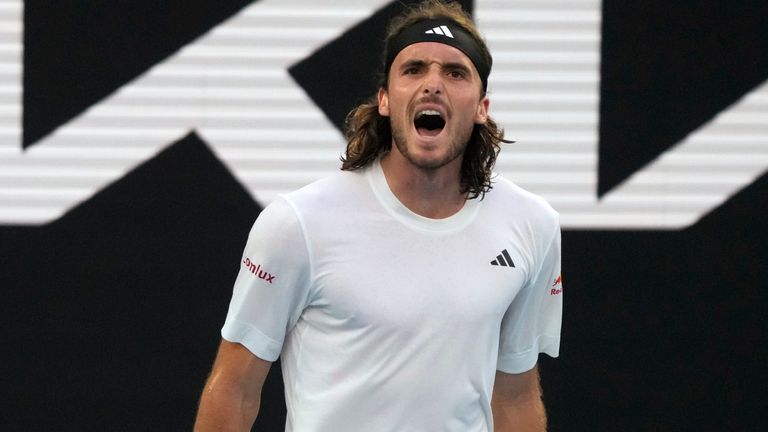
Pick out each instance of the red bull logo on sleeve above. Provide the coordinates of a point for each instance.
(557, 287)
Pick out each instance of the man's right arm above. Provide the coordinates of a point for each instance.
(232, 395)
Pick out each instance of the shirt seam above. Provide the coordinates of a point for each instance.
(307, 246)
(542, 258)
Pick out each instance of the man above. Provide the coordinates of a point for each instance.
(412, 291)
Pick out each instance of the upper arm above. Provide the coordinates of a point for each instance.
(232, 394)
(237, 369)
(273, 286)
(531, 324)
(516, 387)
(517, 404)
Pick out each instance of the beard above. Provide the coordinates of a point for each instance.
(456, 147)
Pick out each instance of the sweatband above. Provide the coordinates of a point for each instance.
(443, 31)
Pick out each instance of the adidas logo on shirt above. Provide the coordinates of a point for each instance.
(442, 30)
(503, 259)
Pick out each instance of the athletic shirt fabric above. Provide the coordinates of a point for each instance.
(389, 321)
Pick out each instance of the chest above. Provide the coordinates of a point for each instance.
(398, 280)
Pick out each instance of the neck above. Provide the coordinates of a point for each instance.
(432, 193)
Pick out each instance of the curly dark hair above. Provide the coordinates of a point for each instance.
(369, 134)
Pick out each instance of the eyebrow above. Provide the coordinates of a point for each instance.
(456, 66)
(417, 63)
(413, 63)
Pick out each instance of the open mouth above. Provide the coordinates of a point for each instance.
(429, 123)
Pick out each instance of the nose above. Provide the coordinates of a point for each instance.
(433, 81)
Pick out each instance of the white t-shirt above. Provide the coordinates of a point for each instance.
(390, 321)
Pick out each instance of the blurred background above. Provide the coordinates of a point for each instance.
(140, 139)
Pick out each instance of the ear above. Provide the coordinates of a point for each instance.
(481, 116)
(383, 102)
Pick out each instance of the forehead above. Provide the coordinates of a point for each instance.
(432, 52)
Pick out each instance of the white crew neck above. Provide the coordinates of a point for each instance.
(399, 211)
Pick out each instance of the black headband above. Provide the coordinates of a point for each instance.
(443, 31)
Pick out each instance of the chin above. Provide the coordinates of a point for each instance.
(428, 153)
(430, 161)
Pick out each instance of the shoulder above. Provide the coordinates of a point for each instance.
(514, 201)
(290, 210)
(530, 219)
(328, 193)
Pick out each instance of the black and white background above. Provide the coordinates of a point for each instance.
(139, 140)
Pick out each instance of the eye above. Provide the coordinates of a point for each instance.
(411, 70)
(456, 74)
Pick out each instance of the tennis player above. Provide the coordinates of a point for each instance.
(413, 290)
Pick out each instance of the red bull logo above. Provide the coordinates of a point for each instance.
(557, 290)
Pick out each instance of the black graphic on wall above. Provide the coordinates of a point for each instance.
(667, 68)
(351, 62)
(76, 53)
(115, 309)
(665, 330)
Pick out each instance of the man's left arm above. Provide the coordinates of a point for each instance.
(517, 404)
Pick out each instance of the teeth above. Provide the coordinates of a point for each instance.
(428, 112)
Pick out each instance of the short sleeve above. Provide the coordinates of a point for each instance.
(532, 323)
(272, 286)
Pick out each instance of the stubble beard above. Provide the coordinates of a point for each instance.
(456, 148)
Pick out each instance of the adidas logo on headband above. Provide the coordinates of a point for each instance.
(443, 30)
